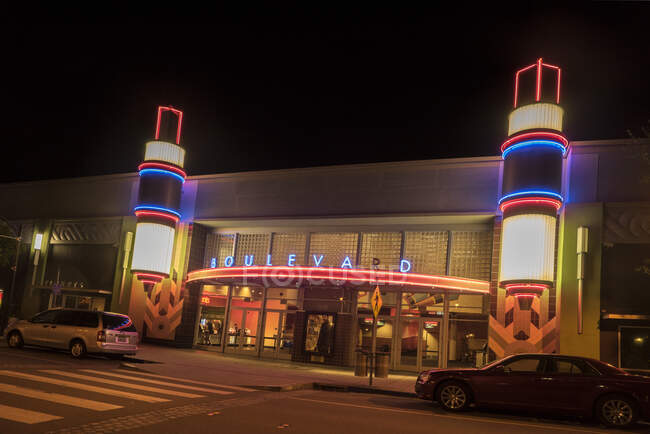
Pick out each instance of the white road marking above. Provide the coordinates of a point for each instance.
(162, 383)
(25, 416)
(122, 384)
(223, 386)
(89, 388)
(58, 398)
(446, 416)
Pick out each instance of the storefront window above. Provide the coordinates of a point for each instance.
(77, 302)
(467, 343)
(389, 303)
(635, 348)
(282, 298)
(384, 334)
(421, 304)
(247, 296)
(468, 303)
(213, 309)
(319, 337)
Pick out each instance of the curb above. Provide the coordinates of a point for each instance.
(131, 367)
(362, 389)
(285, 388)
(331, 387)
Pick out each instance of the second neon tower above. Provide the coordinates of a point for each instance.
(158, 208)
(531, 195)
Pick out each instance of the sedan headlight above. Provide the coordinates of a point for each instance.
(423, 377)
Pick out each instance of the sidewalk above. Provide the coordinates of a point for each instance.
(241, 370)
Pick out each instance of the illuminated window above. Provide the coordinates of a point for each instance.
(427, 251)
(533, 116)
(334, 247)
(164, 151)
(382, 245)
(252, 249)
(528, 248)
(153, 248)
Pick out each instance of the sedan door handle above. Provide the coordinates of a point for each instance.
(546, 379)
(45, 326)
(53, 327)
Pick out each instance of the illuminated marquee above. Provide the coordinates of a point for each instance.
(229, 261)
(295, 276)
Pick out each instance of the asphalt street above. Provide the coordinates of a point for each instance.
(48, 392)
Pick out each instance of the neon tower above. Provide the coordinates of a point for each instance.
(159, 197)
(531, 195)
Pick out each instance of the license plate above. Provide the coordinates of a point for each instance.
(123, 339)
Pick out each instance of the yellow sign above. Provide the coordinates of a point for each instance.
(376, 302)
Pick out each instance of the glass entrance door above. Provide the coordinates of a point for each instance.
(278, 335)
(419, 341)
(242, 330)
(273, 325)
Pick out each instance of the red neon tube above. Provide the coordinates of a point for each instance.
(538, 92)
(531, 201)
(162, 166)
(342, 274)
(150, 276)
(178, 114)
(517, 80)
(535, 135)
(147, 213)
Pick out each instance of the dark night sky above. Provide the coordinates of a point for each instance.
(280, 88)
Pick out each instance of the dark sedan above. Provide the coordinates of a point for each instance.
(544, 382)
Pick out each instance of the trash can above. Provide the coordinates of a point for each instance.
(381, 368)
(361, 368)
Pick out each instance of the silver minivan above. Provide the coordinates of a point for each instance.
(78, 331)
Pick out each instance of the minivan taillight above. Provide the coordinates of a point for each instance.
(101, 336)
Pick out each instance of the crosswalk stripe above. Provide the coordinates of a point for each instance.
(58, 398)
(122, 384)
(162, 383)
(223, 386)
(85, 387)
(25, 416)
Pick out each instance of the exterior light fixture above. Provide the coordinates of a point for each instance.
(38, 241)
(582, 249)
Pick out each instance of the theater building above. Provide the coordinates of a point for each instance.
(543, 248)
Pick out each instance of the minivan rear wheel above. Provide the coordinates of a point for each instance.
(15, 340)
(77, 349)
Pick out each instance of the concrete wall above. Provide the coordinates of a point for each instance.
(431, 186)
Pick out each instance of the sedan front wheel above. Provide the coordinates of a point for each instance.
(617, 411)
(453, 396)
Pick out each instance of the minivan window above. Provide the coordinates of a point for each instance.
(45, 317)
(88, 319)
(118, 323)
(67, 317)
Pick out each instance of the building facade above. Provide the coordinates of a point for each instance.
(475, 258)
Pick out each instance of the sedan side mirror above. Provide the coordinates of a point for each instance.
(499, 369)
